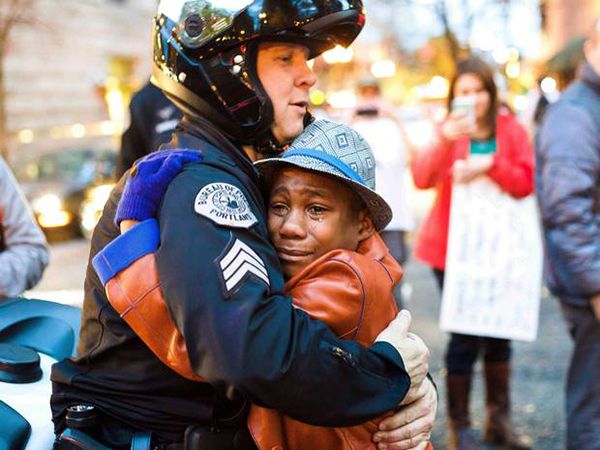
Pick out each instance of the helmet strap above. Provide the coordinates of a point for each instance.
(271, 147)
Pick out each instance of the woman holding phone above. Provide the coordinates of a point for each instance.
(475, 125)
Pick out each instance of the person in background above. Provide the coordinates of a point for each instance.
(23, 247)
(153, 118)
(506, 157)
(568, 192)
(378, 123)
(537, 105)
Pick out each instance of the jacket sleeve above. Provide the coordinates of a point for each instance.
(512, 168)
(332, 293)
(569, 172)
(428, 165)
(248, 335)
(25, 255)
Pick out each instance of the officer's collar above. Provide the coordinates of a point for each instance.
(205, 130)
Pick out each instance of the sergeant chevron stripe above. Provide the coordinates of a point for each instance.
(240, 261)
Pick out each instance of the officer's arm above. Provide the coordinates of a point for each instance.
(225, 293)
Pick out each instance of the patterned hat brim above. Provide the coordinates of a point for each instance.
(380, 211)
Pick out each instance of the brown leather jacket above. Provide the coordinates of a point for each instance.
(352, 293)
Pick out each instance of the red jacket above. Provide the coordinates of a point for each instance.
(512, 170)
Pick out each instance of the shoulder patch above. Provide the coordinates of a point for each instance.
(224, 204)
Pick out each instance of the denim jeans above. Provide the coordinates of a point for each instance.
(583, 381)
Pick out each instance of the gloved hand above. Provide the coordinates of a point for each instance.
(148, 182)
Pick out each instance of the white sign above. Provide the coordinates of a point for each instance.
(493, 276)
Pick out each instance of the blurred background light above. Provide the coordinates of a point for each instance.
(26, 136)
(317, 97)
(107, 128)
(338, 54)
(500, 55)
(383, 69)
(342, 99)
(548, 85)
(513, 69)
(78, 131)
(520, 102)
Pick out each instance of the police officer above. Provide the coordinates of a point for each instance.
(241, 78)
(153, 119)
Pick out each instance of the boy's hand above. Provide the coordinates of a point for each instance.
(148, 182)
(414, 352)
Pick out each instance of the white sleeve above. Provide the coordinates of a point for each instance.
(24, 253)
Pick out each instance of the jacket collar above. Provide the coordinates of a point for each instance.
(201, 128)
(590, 76)
(372, 247)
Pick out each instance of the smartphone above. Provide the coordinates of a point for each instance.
(466, 106)
(369, 112)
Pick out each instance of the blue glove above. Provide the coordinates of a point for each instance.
(148, 181)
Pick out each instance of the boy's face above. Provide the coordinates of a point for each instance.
(311, 214)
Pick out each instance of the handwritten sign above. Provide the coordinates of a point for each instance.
(492, 284)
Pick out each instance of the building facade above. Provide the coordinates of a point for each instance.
(71, 69)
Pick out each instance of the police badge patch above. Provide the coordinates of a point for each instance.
(224, 204)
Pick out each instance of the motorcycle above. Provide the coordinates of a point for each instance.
(33, 335)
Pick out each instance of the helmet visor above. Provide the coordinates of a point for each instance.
(211, 26)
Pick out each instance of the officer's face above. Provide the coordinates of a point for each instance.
(286, 77)
(311, 214)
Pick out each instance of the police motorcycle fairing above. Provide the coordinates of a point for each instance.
(33, 335)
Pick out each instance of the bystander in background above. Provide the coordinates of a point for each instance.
(476, 125)
(377, 122)
(568, 185)
(153, 119)
(23, 248)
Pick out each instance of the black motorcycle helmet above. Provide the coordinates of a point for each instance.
(205, 55)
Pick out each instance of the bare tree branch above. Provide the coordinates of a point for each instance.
(13, 13)
(470, 11)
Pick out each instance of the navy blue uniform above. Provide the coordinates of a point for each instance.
(223, 284)
(153, 119)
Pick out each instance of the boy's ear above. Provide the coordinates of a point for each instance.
(365, 225)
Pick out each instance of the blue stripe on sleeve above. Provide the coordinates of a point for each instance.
(141, 240)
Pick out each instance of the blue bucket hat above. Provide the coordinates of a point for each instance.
(336, 149)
